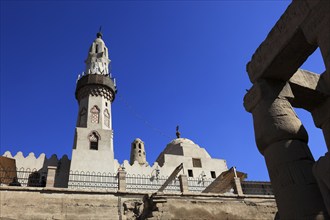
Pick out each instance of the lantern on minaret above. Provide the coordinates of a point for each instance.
(95, 92)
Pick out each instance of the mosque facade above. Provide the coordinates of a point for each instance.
(184, 182)
(93, 148)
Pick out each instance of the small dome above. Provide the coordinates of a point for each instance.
(181, 140)
(137, 140)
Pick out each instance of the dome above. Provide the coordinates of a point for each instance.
(182, 147)
(181, 141)
(137, 140)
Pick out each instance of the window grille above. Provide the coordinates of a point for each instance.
(197, 162)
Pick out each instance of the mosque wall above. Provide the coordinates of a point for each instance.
(41, 163)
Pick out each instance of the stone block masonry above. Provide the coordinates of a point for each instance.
(54, 203)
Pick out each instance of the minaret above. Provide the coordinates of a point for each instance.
(95, 91)
(138, 152)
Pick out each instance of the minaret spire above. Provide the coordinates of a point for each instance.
(99, 34)
(177, 132)
(98, 61)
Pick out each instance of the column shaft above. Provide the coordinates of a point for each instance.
(282, 139)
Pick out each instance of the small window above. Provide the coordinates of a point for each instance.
(196, 162)
(139, 145)
(213, 174)
(139, 151)
(94, 146)
(106, 104)
(190, 173)
(94, 141)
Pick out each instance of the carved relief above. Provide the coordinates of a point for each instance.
(95, 111)
(107, 118)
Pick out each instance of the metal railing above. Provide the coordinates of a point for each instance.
(106, 181)
(198, 184)
(92, 180)
(150, 183)
(22, 177)
(257, 188)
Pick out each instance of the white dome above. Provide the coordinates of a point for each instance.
(137, 140)
(182, 147)
(181, 141)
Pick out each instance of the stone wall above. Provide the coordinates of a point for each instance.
(212, 207)
(39, 203)
(55, 203)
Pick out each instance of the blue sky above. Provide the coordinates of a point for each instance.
(176, 63)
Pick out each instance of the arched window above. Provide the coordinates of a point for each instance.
(94, 141)
(140, 145)
(106, 118)
(95, 111)
(82, 122)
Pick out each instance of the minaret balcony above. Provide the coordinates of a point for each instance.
(95, 83)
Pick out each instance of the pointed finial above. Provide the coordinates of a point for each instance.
(99, 34)
(177, 132)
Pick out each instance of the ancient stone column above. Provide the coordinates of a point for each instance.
(321, 169)
(321, 117)
(321, 114)
(51, 176)
(282, 140)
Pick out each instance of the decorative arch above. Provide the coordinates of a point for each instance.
(94, 138)
(95, 114)
(106, 118)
